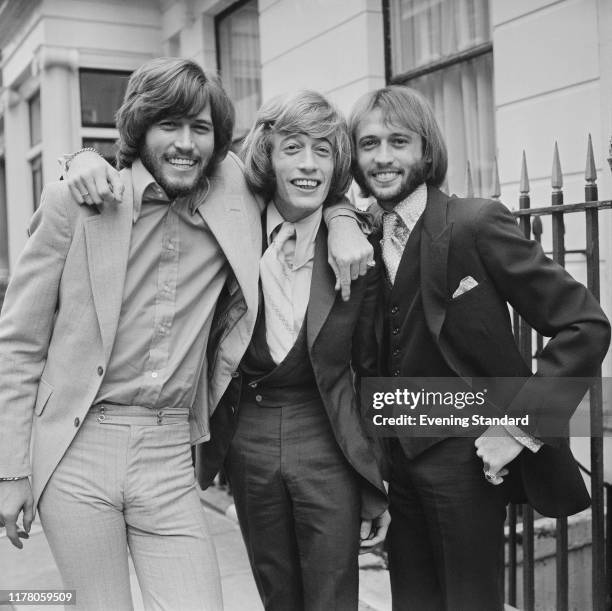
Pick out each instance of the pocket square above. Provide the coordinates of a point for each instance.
(466, 284)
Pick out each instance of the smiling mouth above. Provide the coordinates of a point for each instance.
(182, 162)
(386, 176)
(307, 184)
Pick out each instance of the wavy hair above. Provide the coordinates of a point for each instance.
(303, 112)
(407, 108)
(171, 87)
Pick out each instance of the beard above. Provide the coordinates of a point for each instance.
(173, 187)
(389, 197)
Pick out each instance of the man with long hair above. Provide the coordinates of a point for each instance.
(102, 341)
(303, 473)
(451, 268)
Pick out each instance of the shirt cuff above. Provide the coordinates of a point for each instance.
(531, 443)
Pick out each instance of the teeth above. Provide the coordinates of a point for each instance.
(304, 182)
(386, 175)
(182, 162)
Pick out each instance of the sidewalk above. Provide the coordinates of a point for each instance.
(33, 567)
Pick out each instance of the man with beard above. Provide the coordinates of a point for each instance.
(103, 350)
(452, 265)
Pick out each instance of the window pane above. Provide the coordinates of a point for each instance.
(34, 117)
(462, 98)
(425, 31)
(37, 179)
(106, 148)
(239, 62)
(101, 95)
(3, 229)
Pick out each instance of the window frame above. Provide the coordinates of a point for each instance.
(440, 64)
(82, 69)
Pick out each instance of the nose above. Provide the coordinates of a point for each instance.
(383, 154)
(184, 139)
(308, 160)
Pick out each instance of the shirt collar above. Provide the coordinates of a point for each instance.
(145, 187)
(305, 232)
(411, 208)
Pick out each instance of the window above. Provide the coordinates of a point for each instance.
(35, 152)
(37, 178)
(34, 119)
(238, 59)
(102, 93)
(4, 266)
(443, 49)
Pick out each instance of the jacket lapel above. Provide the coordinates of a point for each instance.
(236, 226)
(107, 237)
(435, 239)
(322, 292)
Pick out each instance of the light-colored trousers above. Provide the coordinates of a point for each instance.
(127, 481)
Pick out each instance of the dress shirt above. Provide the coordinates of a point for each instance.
(299, 254)
(173, 261)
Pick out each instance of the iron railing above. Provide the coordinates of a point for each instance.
(530, 221)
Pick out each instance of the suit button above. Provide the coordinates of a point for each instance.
(235, 374)
(77, 422)
(253, 384)
(233, 408)
(258, 398)
(396, 331)
(396, 351)
(394, 310)
(100, 370)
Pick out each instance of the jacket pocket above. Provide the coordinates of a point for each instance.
(45, 390)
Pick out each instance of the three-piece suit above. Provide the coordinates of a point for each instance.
(446, 535)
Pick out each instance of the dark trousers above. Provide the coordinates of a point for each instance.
(446, 538)
(298, 505)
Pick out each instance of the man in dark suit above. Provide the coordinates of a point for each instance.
(452, 265)
(302, 470)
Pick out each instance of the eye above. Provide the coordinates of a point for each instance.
(167, 124)
(368, 143)
(401, 141)
(291, 147)
(324, 150)
(202, 128)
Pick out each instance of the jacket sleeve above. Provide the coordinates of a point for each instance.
(26, 325)
(555, 305)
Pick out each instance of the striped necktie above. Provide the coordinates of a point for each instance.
(277, 286)
(394, 240)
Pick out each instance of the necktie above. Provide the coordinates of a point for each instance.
(277, 286)
(395, 237)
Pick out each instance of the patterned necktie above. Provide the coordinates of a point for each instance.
(395, 237)
(277, 286)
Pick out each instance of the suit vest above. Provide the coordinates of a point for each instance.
(410, 349)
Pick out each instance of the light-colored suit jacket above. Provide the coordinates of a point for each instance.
(62, 307)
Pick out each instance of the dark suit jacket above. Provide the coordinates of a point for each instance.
(331, 329)
(480, 238)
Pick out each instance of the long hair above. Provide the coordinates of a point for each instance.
(171, 87)
(407, 108)
(305, 112)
